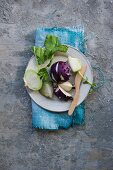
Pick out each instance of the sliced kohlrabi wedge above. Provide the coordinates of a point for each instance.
(32, 80)
(75, 63)
(47, 90)
(67, 86)
(64, 92)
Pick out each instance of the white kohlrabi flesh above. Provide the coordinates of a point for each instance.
(47, 90)
(32, 80)
(75, 63)
(62, 94)
(67, 86)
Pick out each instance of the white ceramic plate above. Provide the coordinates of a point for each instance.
(55, 104)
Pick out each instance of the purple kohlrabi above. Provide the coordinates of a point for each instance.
(60, 71)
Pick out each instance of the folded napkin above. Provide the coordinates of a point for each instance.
(44, 119)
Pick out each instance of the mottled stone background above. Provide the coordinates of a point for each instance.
(79, 148)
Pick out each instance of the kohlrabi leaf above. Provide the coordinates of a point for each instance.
(39, 54)
(60, 48)
(51, 42)
(51, 45)
(43, 74)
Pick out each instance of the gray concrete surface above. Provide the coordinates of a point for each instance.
(79, 148)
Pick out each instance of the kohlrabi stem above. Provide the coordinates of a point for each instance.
(88, 82)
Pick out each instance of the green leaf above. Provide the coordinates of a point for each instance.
(39, 54)
(85, 80)
(50, 61)
(51, 45)
(51, 42)
(93, 88)
(48, 54)
(60, 48)
(43, 74)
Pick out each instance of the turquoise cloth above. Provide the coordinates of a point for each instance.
(44, 119)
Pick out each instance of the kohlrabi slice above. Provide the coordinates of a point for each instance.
(47, 90)
(75, 63)
(67, 86)
(33, 65)
(32, 80)
(62, 94)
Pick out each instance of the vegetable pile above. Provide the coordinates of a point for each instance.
(52, 78)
